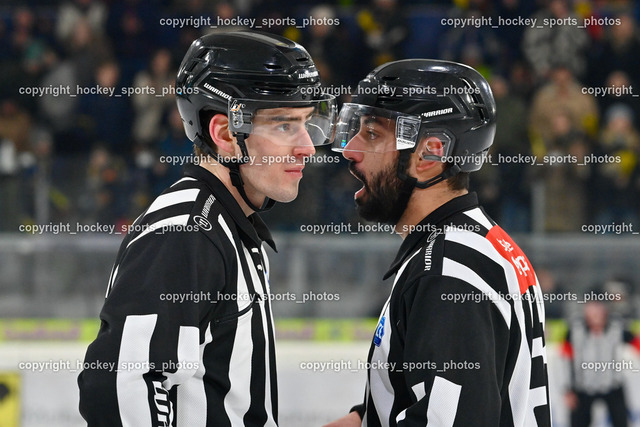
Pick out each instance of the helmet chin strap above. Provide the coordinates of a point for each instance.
(234, 171)
(403, 163)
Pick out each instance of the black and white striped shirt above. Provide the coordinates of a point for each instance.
(586, 348)
(460, 341)
(186, 336)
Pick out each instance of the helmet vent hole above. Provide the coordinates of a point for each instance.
(483, 116)
(389, 78)
(302, 59)
(272, 67)
(480, 106)
(273, 89)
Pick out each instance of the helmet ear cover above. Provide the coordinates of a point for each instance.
(404, 157)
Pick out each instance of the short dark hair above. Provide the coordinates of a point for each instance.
(459, 182)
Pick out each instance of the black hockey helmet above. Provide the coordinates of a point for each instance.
(416, 98)
(242, 72)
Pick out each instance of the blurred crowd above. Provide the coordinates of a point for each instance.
(566, 94)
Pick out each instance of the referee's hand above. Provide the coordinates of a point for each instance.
(351, 420)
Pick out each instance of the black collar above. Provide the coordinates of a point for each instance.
(251, 226)
(428, 224)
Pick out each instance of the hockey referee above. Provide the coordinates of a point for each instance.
(186, 336)
(460, 341)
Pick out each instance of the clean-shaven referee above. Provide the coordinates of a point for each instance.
(460, 341)
(187, 322)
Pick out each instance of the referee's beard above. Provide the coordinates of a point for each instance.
(386, 196)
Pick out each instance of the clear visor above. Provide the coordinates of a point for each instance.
(377, 130)
(289, 123)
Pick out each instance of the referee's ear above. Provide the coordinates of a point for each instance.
(429, 151)
(221, 136)
(426, 162)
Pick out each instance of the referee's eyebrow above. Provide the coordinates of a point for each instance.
(284, 119)
(289, 118)
(283, 115)
(372, 119)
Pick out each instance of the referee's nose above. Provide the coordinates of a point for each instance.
(354, 150)
(304, 146)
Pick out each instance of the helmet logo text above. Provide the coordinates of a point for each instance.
(437, 112)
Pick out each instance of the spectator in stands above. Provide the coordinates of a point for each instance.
(617, 183)
(154, 97)
(521, 81)
(543, 43)
(332, 48)
(103, 199)
(618, 52)
(620, 90)
(476, 46)
(86, 50)
(565, 181)
(93, 13)
(510, 36)
(512, 190)
(15, 126)
(133, 26)
(22, 36)
(385, 30)
(83, 51)
(40, 200)
(106, 117)
(58, 111)
(563, 94)
(174, 144)
(597, 338)
(30, 56)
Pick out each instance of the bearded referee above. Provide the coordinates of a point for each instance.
(460, 341)
(186, 329)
